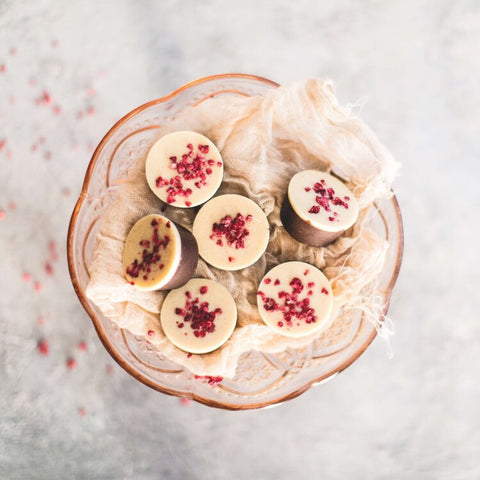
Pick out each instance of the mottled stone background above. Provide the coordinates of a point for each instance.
(68, 70)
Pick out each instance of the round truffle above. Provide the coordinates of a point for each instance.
(158, 254)
(184, 169)
(199, 317)
(232, 232)
(317, 208)
(295, 299)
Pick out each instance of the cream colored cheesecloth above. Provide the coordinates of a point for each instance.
(264, 141)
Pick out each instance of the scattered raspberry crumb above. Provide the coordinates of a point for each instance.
(91, 92)
(44, 98)
(71, 363)
(231, 259)
(82, 346)
(203, 289)
(3, 68)
(52, 247)
(13, 51)
(150, 333)
(324, 290)
(47, 155)
(47, 98)
(57, 110)
(2, 215)
(3, 142)
(37, 286)
(189, 355)
(81, 411)
(210, 380)
(48, 268)
(90, 110)
(43, 347)
(9, 154)
(26, 277)
(185, 402)
(109, 369)
(12, 206)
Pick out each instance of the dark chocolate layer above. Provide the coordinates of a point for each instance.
(302, 230)
(188, 260)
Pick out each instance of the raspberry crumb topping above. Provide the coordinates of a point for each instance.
(231, 231)
(290, 304)
(197, 315)
(324, 291)
(190, 166)
(150, 253)
(325, 197)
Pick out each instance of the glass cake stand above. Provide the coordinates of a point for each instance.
(261, 379)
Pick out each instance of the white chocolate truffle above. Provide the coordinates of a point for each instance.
(199, 317)
(158, 254)
(295, 299)
(318, 208)
(184, 169)
(232, 232)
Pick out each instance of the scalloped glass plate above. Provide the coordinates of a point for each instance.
(261, 379)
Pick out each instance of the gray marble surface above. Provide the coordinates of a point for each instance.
(417, 63)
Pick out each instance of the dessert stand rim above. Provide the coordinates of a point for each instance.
(100, 332)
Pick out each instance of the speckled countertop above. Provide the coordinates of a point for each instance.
(68, 70)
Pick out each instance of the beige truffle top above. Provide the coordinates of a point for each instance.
(295, 299)
(322, 200)
(232, 232)
(184, 169)
(199, 317)
(152, 251)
